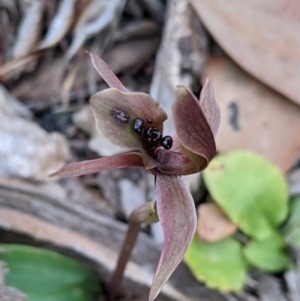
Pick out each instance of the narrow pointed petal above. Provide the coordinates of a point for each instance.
(192, 128)
(115, 114)
(106, 73)
(177, 214)
(210, 106)
(92, 166)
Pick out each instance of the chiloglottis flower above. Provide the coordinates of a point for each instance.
(135, 120)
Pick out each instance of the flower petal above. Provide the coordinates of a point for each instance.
(115, 114)
(176, 161)
(210, 106)
(91, 166)
(177, 214)
(192, 128)
(106, 73)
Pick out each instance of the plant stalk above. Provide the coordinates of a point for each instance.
(144, 214)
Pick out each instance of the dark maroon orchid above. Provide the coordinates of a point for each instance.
(135, 120)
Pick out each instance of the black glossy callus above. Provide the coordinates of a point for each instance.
(166, 142)
(138, 125)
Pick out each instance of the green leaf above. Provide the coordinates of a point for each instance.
(292, 227)
(250, 190)
(44, 275)
(220, 264)
(267, 255)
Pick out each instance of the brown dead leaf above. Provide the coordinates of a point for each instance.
(213, 224)
(97, 16)
(29, 30)
(60, 24)
(18, 64)
(261, 36)
(253, 116)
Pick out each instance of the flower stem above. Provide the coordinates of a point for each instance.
(129, 242)
(144, 214)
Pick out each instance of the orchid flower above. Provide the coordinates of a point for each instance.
(135, 120)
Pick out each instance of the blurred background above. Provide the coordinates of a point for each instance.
(249, 49)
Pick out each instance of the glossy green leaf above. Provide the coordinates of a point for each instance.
(44, 275)
(267, 255)
(250, 190)
(220, 264)
(292, 227)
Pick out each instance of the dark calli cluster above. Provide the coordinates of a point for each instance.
(150, 135)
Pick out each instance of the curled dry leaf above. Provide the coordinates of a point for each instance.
(213, 224)
(29, 29)
(93, 20)
(60, 24)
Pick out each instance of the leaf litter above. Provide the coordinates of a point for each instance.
(127, 36)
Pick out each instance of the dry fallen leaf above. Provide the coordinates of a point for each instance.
(213, 224)
(60, 24)
(253, 116)
(29, 30)
(97, 16)
(261, 36)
